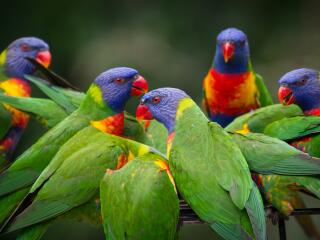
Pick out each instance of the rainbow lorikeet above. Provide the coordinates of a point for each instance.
(300, 87)
(292, 124)
(231, 87)
(13, 67)
(210, 172)
(264, 154)
(51, 111)
(139, 200)
(102, 108)
(77, 170)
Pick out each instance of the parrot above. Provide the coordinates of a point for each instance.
(301, 87)
(139, 200)
(73, 176)
(231, 87)
(102, 108)
(13, 68)
(264, 154)
(209, 170)
(51, 111)
(297, 123)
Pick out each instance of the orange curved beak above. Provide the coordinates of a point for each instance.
(143, 113)
(139, 86)
(285, 95)
(228, 49)
(44, 58)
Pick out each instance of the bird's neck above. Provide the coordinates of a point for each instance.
(238, 64)
(189, 119)
(94, 106)
(309, 103)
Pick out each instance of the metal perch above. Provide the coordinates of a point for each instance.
(188, 216)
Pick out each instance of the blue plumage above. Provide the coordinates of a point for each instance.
(157, 100)
(16, 64)
(116, 82)
(305, 86)
(239, 63)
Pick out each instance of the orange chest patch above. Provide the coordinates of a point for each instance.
(18, 88)
(112, 125)
(230, 94)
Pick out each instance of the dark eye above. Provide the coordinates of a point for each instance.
(301, 82)
(135, 76)
(156, 100)
(25, 47)
(119, 81)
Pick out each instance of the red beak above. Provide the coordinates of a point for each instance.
(285, 95)
(44, 58)
(139, 86)
(228, 49)
(143, 113)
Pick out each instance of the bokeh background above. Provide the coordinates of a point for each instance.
(172, 44)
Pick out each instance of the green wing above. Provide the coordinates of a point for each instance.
(237, 181)
(75, 97)
(139, 201)
(28, 166)
(257, 120)
(229, 159)
(5, 121)
(294, 127)
(269, 155)
(156, 136)
(53, 93)
(72, 178)
(45, 110)
(264, 97)
(197, 163)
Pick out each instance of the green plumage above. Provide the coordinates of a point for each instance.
(49, 112)
(44, 110)
(72, 178)
(257, 120)
(54, 93)
(286, 123)
(213, 177)
(269, 155)
(264, 97)
(5, 121)
(28, 166)
(139, 201)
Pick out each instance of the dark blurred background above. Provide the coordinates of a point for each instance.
(171, 43)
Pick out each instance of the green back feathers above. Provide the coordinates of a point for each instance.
(139, 201)
(257, 120)
(294, 127)
(194, 161)
(72, 178)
